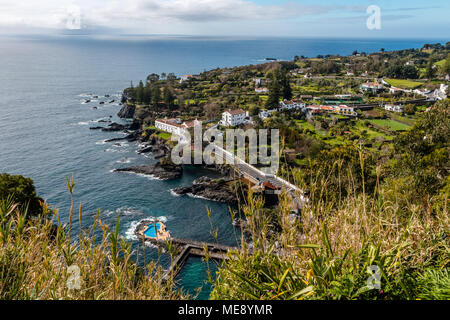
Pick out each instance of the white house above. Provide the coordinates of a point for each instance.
(345, 110)
(261, 90)
(185, 77)
(174, 126)
(395, 90)
(169, 125)
(264, 114)
(292, 105)
(233, 117)
(438, 94)
(393, 108)
(422, 92)
(343, 96)
(371, 87)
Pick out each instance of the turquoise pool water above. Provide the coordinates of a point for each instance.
(151, 232)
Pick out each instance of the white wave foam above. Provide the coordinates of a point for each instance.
(174, 193)
(148, 176)
(101, 142)
(125, 160)
(200, 197)
(115, 150)
(120, 145)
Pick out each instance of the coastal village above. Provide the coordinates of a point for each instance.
(328, 100)
(317, 104)
(323, 107)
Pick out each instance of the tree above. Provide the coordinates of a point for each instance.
(409, 109)
(147, 98)
(140, 92)
(156, 94)
(181, 101)
(22, 191)
(429, 73)
(398, 71)
(286, 85)
(274, 91)
(447, 64)
(152, 78)
(171, 77)
(168, 96)
(254, 110)
(163, 75)
(211, 110)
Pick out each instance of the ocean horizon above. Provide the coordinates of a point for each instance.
(44, 122)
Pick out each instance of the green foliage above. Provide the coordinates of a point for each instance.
(279, 87)
(36, 258)
(343, 170)
(425, 150)
(22, 192)
(325, 67)
(399, 71)
(430, 72)
(434, 284)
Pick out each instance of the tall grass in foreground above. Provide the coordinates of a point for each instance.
(325, 252)
(38, 260)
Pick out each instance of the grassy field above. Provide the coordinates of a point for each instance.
(306, 125)
(371, 133)
(405, 84)
(164, 135)
(390, 124)
(440, 63)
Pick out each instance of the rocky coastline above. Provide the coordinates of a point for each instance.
(211, 189)
(158, 170)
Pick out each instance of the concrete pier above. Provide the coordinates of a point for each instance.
(187, 248)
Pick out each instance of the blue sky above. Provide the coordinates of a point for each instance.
(294, 18)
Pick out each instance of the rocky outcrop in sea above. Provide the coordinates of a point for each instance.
(159, 171)
(211, 189)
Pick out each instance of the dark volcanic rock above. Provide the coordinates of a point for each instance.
(145, 150)
(216, 190)
(127, 111)
(134, 136)
(160, 154)
(160, 171)
(96, 128)
(115, 127)
(115, 139)
(135, 125)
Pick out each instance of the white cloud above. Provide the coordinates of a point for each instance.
(135, 14)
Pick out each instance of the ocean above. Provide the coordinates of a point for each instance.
(44, 123)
